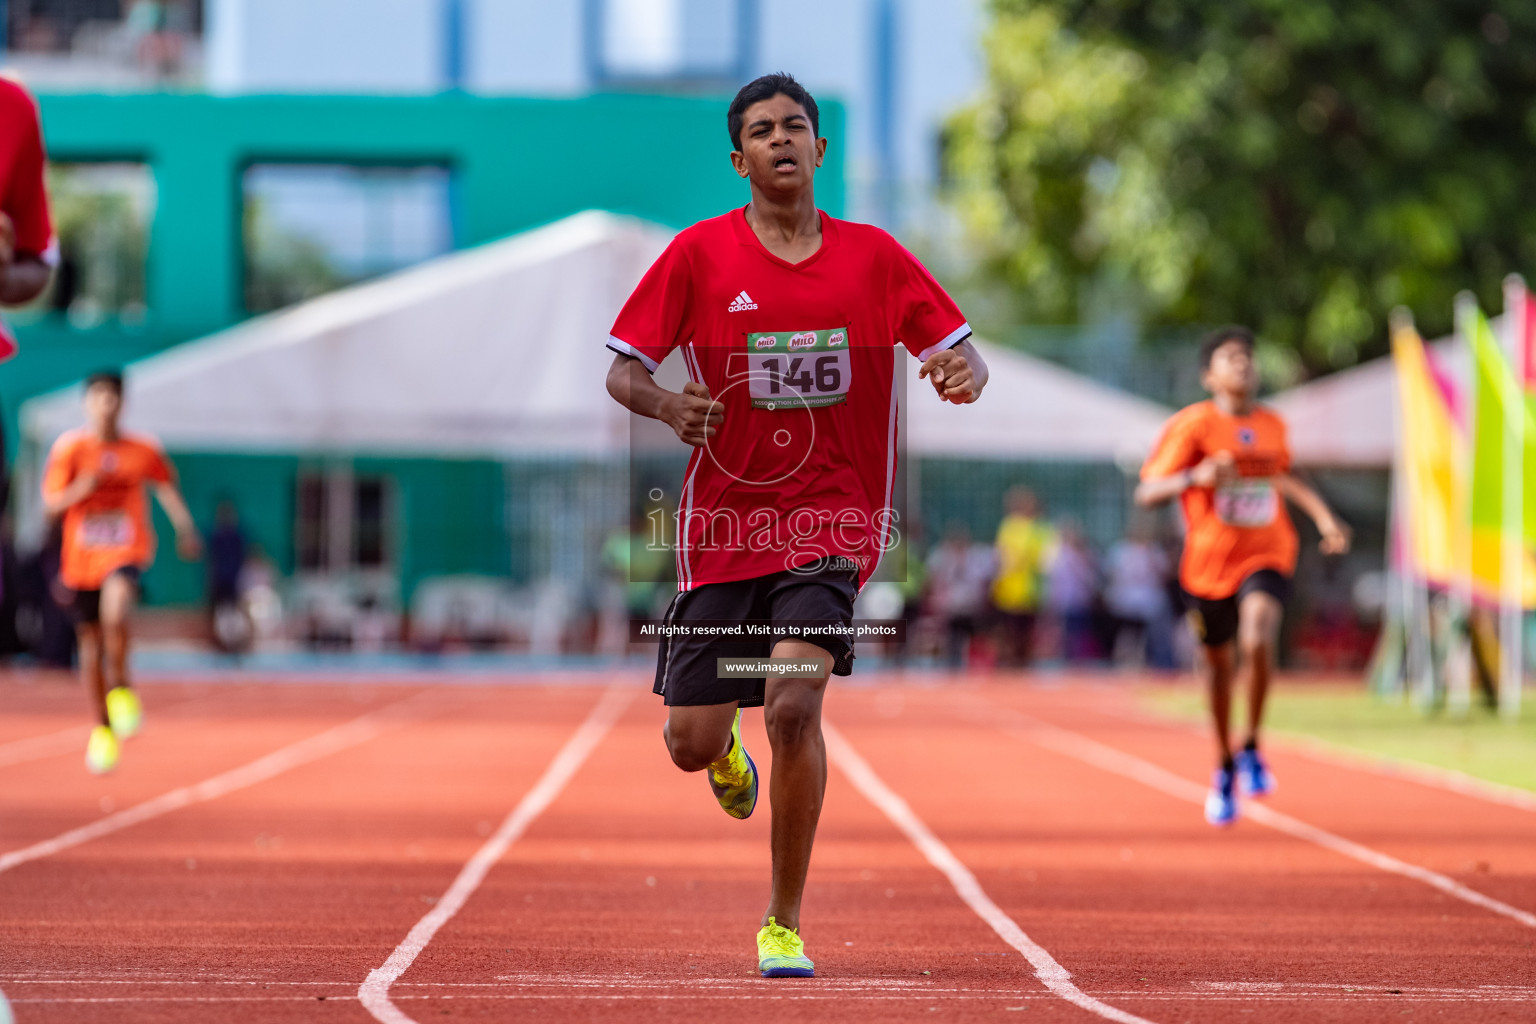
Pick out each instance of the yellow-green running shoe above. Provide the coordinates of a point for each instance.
(101, 751)
(781, 954)
(124, 711)
(733, 778)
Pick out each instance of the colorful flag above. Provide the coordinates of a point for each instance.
(1527, 371)
(1432, 462)
(1501, 415)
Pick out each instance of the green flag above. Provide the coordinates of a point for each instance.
(1501, 411)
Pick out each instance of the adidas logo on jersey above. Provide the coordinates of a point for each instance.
(740, 303)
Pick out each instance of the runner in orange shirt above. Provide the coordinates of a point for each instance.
(1228, 462)
(95, 479)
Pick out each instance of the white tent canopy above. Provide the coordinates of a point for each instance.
(498, 351)
(1033, 409)
(1348, 419)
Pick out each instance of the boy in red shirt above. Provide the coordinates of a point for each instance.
(787, 320)
(95, 479)
(1227, 461)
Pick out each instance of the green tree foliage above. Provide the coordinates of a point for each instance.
(1299, 165)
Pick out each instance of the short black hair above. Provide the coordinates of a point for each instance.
(1219, 337)
(111, 378)
(766, 88)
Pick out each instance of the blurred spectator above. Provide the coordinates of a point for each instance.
(958, 574)
(157, 31)
(259, 597)
(1023, 547)
(1136, 595)
(1073, 593)
(227, 620)
(914, 586)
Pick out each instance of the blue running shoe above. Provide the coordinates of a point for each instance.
(1221, 801)
(1253, 776)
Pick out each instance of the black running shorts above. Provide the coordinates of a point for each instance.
(86, 604)
(820, 594)
(1215, 621)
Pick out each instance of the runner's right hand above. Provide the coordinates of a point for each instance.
(7, 240)
(1217, 469)
(85, 485)
(189, 545)
(692, 415)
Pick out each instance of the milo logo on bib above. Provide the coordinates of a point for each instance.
(799, 369)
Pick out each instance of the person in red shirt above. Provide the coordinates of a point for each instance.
(1228, 463)
(786, 320)
(95, 479)
(28, 250)
(27, 247)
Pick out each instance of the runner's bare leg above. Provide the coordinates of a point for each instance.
(1218, 672)
(117, 601)
(88, 637)
(700, 735)
(792, 713)
(1258, 626)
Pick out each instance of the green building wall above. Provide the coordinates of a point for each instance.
(449, 514)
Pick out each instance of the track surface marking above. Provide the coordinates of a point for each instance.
(631, 896)
(374, 992)
(1131, 767)
(50, 745)
(1051, 974)
(349, 734)
(1433, 776)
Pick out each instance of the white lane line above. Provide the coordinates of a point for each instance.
(38, 747)
(65, 741)
(1081, 748)
(348, 734)
(643, 986)
(373, 993)
(1433, 776)
(1446, 779)
(1051, 974)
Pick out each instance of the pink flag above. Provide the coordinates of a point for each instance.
(1526, 366)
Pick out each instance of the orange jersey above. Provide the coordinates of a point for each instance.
(109, 530)
(1237, 529)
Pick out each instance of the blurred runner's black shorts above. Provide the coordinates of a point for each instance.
(1215, 621)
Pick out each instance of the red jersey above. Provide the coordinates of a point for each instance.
(22, 195)
(1237, 529)
(802, 357)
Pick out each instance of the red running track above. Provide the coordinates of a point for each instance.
(273, 893)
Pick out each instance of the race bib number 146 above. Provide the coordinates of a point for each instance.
(799, 369)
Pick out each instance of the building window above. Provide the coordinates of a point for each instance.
(101, 215)
(648, 43)
(312, 228)
(342, 522)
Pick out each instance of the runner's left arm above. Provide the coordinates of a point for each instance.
(189, 543)
(1336, 535)
(958, 374)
